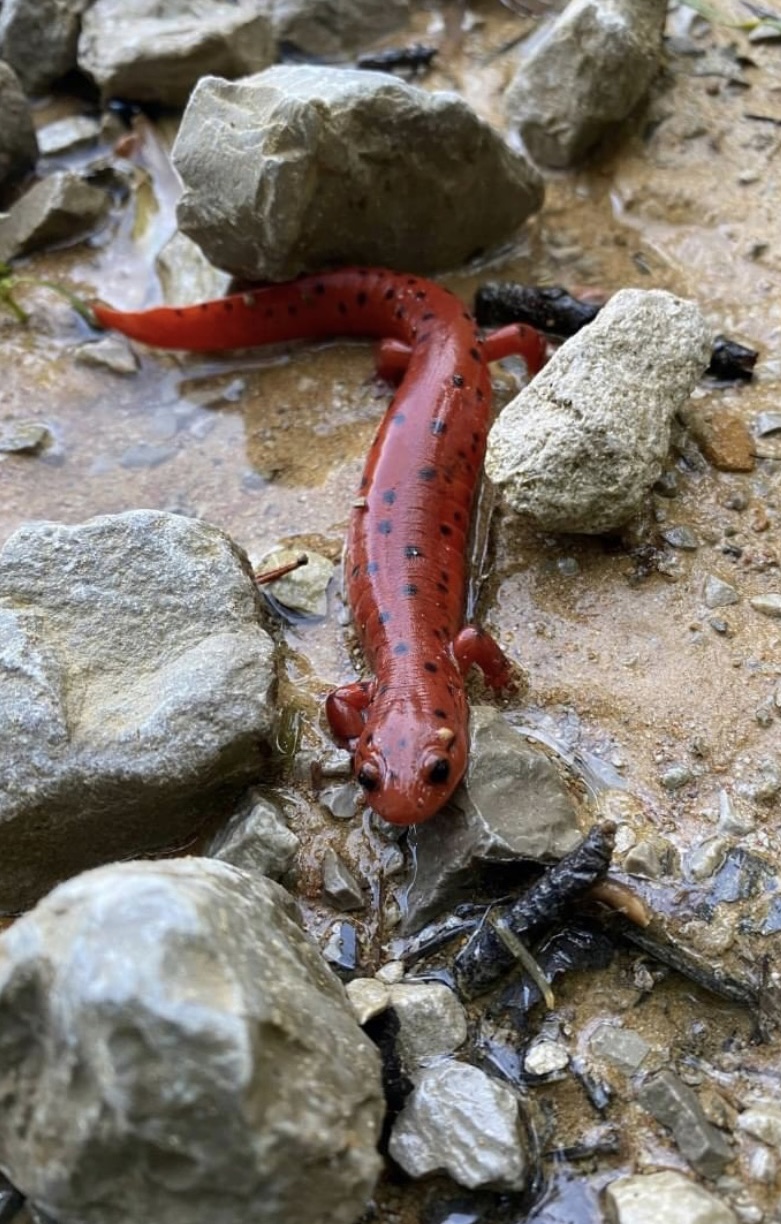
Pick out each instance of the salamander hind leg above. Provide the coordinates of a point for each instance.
(345, 709)
(475, 646)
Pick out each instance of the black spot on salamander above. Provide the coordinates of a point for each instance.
(227, 305)
(439, 713)
(410, 551)
(475, 436)
(466, 315)
(409, 590)
(342, 308)
(319, 287)
(383, 617)
(390, 295)
(398, 418)
(421, 295)
(457, 516)
(462, 455)
(442, 588)
(385, 526)
(364, 482)
(431, 667)
(458, 380)
(372, 568)
(479, 395)
(389, 497)
(204, 306)
(401, 648)
(427, 316)
(445, 529)
(179, 312)
(361, 298)
(355, 571)
(474, 354)
(427, 473)
(412, 280)
(438, 427)
(400, 312)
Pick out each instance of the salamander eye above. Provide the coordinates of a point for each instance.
(439, 772)
(368, 776)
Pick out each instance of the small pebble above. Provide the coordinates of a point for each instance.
(676, 776)
(719, 594)
(767, 423)
(20, 437)
(768, 605)
(111, 353)
(546, 1058)
(681, 537)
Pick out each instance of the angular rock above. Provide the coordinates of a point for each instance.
(172, 1048)
(38, 38)
(581, 446)
(135, 691)
(59, 209)
(585, 74)
(302, 166)
(256, 839)
(432, 1021)
(622, 1047)
(340, 886)
(156, 50)
(18, 142)
(305, 590)
(667, 1196)
(514, 804)
(333, 27)
(676, 1106)
(460, 1120)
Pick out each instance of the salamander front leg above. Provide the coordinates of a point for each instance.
(345, 709)
(475, 646)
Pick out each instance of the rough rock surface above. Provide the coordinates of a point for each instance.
(667, 1196)
(18, 143)
(460, 1120)
(59, 209)
(257, 839)
(156, 50)
(173, 1048)
(301, 166)
(588, 71)
(514, 804)
(331, 27)
(135, 691)
(580, 447)
(38, 38)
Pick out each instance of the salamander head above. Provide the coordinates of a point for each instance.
(409, 767)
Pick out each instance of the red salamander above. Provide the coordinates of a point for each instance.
(405, 560)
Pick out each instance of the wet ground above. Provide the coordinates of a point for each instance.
(626, 668)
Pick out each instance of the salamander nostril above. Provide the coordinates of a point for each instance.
(439, 772)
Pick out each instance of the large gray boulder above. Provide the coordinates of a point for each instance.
(156, 50)
(135, 691)
(38, 38)
(174, 1049)
(302, 166)
(18, 142)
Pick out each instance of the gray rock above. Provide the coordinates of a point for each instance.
(61, 209)
(768, 605)
(667, 1196)
(546, 1058)
(301, 166)
(135, 691)
(514, 804)
(72, 132)
(257, 839)
(156, 50)
(38, 38)
(113, 353)
(18, 142)
(173, 1048)
(719, 594)
(762, 1119)
(432, 1022)
(186, 274)
(581, 446)
(340, 886)
(368, 998)
(586, 73)
(20, 437)
(459, 1120)
(622, 1047)
(332, 27)
(304, 590)
(676, 1106)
